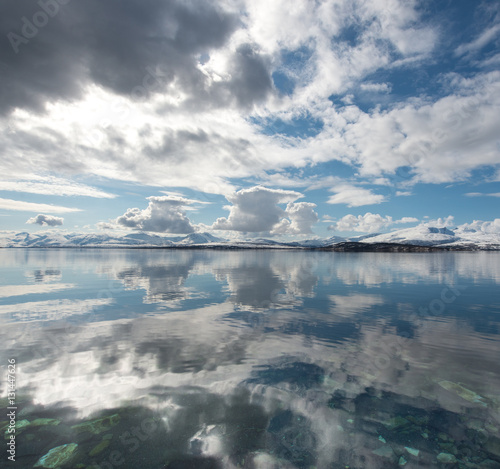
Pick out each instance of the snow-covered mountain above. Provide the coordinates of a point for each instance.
(56, 239)
(420, 235)
(432, 236)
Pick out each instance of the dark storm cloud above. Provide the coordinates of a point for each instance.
(251, 80)
(50, 50)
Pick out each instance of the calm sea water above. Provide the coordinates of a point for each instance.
(254, 359)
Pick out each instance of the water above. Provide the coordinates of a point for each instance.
(255, 359)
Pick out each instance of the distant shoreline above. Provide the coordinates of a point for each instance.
(339, 247)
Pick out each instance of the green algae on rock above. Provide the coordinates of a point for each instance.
(446, 458)
(100, 447)
(57, 456)
(42, 422)
(412, 451)
(464, 393)
(97, 426)
(396, 423)
(21, 425)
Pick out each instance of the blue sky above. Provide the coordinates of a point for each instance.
(249, 118)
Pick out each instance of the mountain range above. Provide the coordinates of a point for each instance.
(418, 236)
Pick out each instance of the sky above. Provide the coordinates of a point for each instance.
(249, 118)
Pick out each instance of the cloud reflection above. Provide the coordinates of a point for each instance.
(276, 359)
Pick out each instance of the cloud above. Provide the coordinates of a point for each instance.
(484, 38)
(256, 210)
(54, 186)
(115, 53)
(447, 222)
(300, 219)
(164, 214)
(368, 223)
(376, 87)
(48, 220)
(354, 196)
(482, 194)
(438, 141)
(483, 226)
(9, 204)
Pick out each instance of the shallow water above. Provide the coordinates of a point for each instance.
(256, 359)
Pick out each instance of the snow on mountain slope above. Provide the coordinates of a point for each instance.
(200, 238)
(419, 235)
(56, 239)
(433, 236)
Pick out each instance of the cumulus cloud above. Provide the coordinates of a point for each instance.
(164, 214)
(300, 219)
(47, 220)
(257, 210)
(447, 222)
(368, 223)
(483, 226)
(354, 196)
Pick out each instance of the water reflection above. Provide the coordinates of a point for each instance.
(255, 359)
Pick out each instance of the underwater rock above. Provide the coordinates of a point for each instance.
(57, 456)
(21, 425)
(41, 422)
(446, 458)
(402, 461)
(489, 464)
(412, 451)
(266, 460)
(492, 446)
(382, 439)
(100, 447)
(384, 452)
(464, 393)
(97, 426)
(396, 423)
(492, 428)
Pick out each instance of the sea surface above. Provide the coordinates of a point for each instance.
(158, 358)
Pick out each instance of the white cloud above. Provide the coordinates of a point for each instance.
(354, 196)
(407, 220)
(47, 220)
(447, 222)
(482, 194)
(403, 193)
(483, 226)
(256, 210)
(441, 141)
(376, 87)
(164, 214)
(54, 186)
(484, 38)
(9, 204)
(301, 218)
(368, 223)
